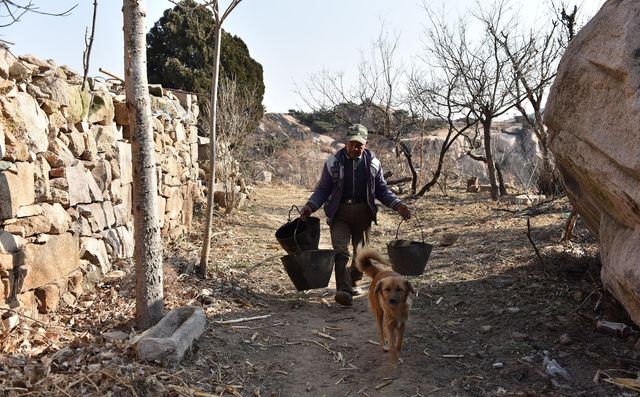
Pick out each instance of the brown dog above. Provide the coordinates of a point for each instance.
(390, 296)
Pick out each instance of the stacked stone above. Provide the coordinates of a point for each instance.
(66, 178)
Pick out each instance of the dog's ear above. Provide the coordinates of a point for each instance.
(378, 288)
(409, 286)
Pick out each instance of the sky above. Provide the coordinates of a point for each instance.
(292, 39)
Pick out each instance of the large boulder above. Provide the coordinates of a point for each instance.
(593, 116)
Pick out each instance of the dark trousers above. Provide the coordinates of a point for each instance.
(350, 226)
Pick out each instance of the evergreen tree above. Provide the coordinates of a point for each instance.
(180, 55)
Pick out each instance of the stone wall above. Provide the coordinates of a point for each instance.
(66, 178)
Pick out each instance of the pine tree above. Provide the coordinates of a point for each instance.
(180, 55)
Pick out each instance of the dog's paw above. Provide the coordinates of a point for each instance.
(385, 347)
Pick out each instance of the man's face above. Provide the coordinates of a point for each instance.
(355, 149)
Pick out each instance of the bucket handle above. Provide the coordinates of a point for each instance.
(291, 209)
(419, 225)
(295, 230)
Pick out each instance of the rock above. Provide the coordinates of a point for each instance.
(565, 339)
(23, 115)
(112, 336)
(527, 199)
(264, 176)
(168, 341)
(102, 109)
(61, 250)
(68, 298)
(82, 187)
(519, 336)
(473, 185)
(8, 261)
(10, 322)
(29, 210)
(29, 226)
(59, 218)
(48, 298)
(592, 114)
(16, 190)
(6, 60)
(485, 328)
(75, 285)
(95, 252)
(10, 242)
(449, 239)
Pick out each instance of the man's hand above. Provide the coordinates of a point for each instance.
(404, 212)
(305, 212)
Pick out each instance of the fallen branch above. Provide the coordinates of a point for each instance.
(399, 181)
(384, 384)
(241, 320)
(535, 248)
(335, 320)
(322, 335)
(28, 318)
(191, 392)
(319, 344)
(102, 70)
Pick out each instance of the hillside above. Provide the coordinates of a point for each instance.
(294, 153)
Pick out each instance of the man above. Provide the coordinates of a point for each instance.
(351, 181)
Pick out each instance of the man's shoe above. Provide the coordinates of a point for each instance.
(343, 298)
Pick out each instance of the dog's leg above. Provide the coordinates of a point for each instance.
(401, 327)
(380, 328)
(392, 335)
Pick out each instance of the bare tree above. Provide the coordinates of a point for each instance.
(373, 99)
(325, 91)
(234, 117)
(439, 97)
(148, 244)
(88, 42)
(218, 20)
(15, 9)
(485, 79)
(533, 59)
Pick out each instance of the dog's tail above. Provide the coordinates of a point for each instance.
(364, 259)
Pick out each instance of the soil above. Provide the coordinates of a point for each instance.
(488, 314)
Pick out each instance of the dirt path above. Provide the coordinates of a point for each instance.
(485, 314)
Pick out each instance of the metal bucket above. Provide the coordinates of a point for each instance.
(309, 269)
(299, 235)
(407, 257)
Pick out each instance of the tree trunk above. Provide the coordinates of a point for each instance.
(547, 177)
(414, 173)
(568, 227)
(148, 244)
(501, 187)
(204, 257)
(486, 126)
(436, 175)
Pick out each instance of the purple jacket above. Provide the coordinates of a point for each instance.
(329, 189)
